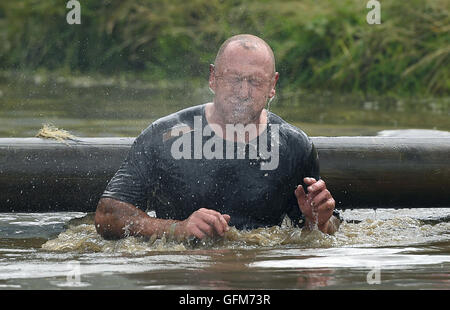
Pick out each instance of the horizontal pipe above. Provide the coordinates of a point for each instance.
(39, 175)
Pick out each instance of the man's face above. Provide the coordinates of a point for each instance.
(243, 81)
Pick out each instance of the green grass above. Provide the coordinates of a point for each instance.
(318, 44)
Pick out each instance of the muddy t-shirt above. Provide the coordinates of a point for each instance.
(179, 165)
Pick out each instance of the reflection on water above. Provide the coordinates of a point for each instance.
(96, 107)
(409, 249)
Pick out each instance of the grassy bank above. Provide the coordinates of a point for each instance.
(318, 44)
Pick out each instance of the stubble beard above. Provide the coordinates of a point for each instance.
(242, 112)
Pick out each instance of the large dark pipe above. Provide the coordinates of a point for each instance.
(38, 175)
(386, 172)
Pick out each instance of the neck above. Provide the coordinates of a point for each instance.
(213, 116)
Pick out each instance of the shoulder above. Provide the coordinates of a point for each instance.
(180, 117)
(294, 136)
(156, 130)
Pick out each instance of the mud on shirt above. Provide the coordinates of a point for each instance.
(169, 170)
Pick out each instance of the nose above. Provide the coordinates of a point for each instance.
(244, 89)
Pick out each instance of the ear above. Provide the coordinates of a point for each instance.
(212, 77)
(275, 80)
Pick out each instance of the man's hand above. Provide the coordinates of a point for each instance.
(317, 206)
(203, 223)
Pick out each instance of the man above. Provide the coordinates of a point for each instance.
(201, 177)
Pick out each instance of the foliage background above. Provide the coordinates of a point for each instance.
(318, 44)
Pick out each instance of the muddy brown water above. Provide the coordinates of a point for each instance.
(383, 249)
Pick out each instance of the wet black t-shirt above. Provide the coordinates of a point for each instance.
(176, 168)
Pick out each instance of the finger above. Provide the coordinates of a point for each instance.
(327, 206)
(303, 201)
(214, 213)
(320, 197)
(326, 210)
(206, 228)
(227, 218)
(314, 190)
(219, 216)
(215, 223)
(309, 181)
(300, 194)
(198, 233)
(216, 220)
(316, 187)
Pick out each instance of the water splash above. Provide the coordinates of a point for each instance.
(367, 233)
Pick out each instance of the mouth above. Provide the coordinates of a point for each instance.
(240, 103)
(240, 111)
(241, 107)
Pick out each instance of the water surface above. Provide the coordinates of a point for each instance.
(407, 249)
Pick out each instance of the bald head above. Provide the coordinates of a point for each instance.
(248, 42)
(243, 80)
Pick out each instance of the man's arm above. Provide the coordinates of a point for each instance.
(115, 219)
